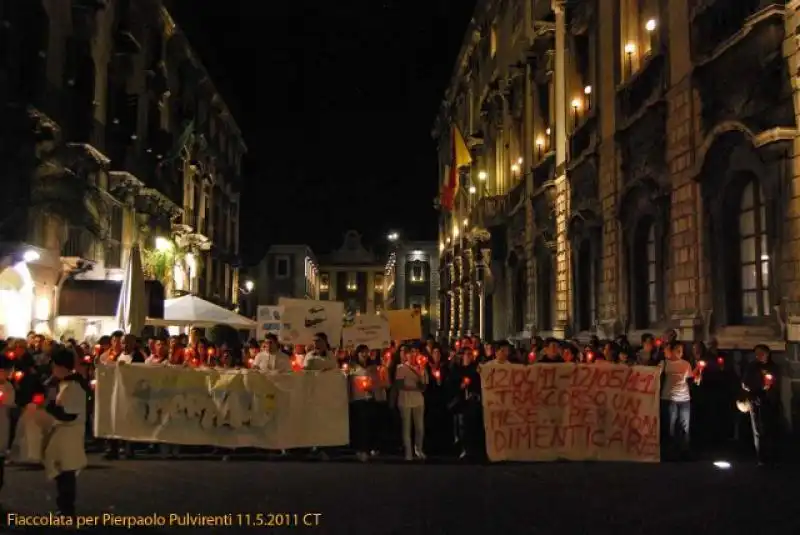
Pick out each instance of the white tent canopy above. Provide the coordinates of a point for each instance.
(191, 310)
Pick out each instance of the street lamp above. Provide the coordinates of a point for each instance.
(539, 147)
(588, 92)
(482, 176)
(576, 106)
(393, 236)
(472, 190)
(249, 285)
(651, 26)
(630, 49)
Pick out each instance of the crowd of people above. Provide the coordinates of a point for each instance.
(419, 398)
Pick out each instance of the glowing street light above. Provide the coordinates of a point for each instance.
(482, 176)
(393, 236)
(249, 285)
(472, 190)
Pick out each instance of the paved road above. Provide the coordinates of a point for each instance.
(390, 498)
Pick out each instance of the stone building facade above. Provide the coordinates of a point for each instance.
(412, 281)
(107, 99)
(634, 169)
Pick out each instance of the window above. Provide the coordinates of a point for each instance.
(324, 284)
(753, 253)
(639, 33)
(378, 283)
(652, 276)
(228, 281)
(417, 273)
(352, 282)
(282, 267)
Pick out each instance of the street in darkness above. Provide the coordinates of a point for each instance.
(387, 498)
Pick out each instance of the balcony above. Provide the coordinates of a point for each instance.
(79, 244)
(713, 22)
(489, 211)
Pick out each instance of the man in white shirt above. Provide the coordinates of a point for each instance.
(320, 359)
(271, 358)
(160, 356)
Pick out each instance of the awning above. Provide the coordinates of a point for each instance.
(197, 312)
(84, 297)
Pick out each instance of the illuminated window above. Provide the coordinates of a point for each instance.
(417, 273)
(378, 283)
(753, 253)
(324, 283)
(352, 282)
(282, 267)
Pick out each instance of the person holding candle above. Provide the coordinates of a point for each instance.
(361, 404)
(320, 358)
(114, 348)
(646, 356)
(410, 382)
(466, 404)
(438, 421)
(676, 398)
(160, 355)
(761, 387)
(551, 353)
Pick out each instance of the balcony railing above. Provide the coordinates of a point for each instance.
(79, 244)
(490, 211)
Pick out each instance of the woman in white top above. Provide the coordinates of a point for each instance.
(64, 454)
(410, 381)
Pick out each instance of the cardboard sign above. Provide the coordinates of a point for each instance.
(405, 324)
(303, 318)
(545, 412)
(223, 408)
(269, 320)
(372, 331)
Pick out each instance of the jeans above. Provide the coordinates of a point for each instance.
(678, 420)
(765, 422)
(66, 488)
(413, 416)
(361, 426)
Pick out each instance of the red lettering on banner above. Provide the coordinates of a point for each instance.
(549, 411)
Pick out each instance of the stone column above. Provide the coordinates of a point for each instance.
(370, 292)
(562, 261)
(686, 213)
(333, 280)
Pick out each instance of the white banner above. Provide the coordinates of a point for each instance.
(545, 412)
(303, 318)
(269, 320)
(224, 408)
(372, 331)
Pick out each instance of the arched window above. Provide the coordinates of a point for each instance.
(652, 276)
(753, 253)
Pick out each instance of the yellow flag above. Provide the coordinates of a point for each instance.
(460, 151)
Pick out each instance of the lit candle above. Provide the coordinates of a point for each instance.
(658, 342)
(532, 356)
(720, 361)
(38, 399)
(93, 383)
(466, 381)
(98, 349)
(437, 375)
(701, 365)
(195, 362)
(458, 344)
(250, 362)
(87, 359)
(364, 383)
(10, 355)
(345, 367)
(590, 356)
(18, 375)
(475, 353)
(768, 379)
(423, 360)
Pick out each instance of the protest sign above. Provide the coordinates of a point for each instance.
(546, 412)
(269, 320)
(223, 408)
(303, 318)
(372, 331)
(405, 324)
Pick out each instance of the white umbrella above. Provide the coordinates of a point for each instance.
(131, 310)
(192, 310)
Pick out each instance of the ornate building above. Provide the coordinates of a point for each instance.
(411, 280)
(112, 135)
(633, 169)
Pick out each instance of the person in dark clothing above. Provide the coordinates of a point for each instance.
(438, 424)
(551, 353)
(760, 384)
(465, 386)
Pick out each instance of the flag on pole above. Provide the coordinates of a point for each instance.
(459, 157)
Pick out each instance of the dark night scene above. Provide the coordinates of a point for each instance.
(391, 267)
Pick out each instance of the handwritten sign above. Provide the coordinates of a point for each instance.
(224, 408)
(371, 331)
(269, 321)
(304, 318)
(546, 412)
(405, 324)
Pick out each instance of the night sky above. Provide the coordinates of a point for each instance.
(336, 101)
